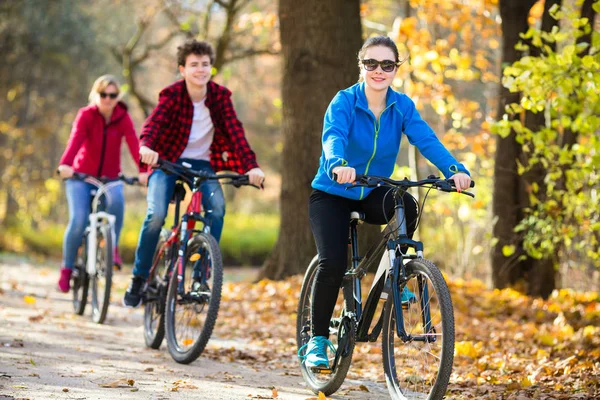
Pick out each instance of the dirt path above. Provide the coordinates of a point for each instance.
(48, 353)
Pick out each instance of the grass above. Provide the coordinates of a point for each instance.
(246, 240)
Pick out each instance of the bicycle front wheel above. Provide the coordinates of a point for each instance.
(154, 305)
(342, 333)
(419, 367)
(193, 299)
(102, 279)
(80, 280)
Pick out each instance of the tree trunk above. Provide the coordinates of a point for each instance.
(508, 185)
(541, 274)
(320, 41)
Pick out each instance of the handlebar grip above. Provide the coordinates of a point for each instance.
(451, 182)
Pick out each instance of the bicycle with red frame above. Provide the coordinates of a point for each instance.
(184, 287)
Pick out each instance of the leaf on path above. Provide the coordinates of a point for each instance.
(29, 299)
(65, 390)
(149, 370)
(14, 343)
(274, 393)
(182, 385)
(32, 362)
(120, 383)
(19, 386)
(36, 318)
(321, 397)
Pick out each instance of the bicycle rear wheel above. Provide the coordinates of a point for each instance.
(80, 280)
(154, 305)
(192, 307)
(342, 333)
(102, 279)
(420, 367)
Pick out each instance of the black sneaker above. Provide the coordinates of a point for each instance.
(134, 293)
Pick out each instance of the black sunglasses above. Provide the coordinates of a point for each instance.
(111, 95)
(386, 65)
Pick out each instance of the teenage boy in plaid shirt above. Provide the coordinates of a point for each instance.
(194, 122)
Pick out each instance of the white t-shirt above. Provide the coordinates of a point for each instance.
(201, 136)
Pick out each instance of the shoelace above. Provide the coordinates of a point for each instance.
(327, 342)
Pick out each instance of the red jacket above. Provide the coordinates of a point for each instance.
(94, 147)
(168, 128)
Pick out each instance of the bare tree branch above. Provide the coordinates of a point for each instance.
(250, 53)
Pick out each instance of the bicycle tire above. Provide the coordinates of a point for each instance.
(201, 241)
(331, 384)
(154, 311)
(80, 279)
(104, 270)
(434, 381)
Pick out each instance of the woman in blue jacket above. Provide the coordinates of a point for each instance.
(362, 129)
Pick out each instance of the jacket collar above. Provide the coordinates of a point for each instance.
(361, 97)
(119, 112)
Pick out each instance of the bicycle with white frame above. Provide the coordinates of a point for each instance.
(94, 262)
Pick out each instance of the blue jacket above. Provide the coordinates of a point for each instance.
(353, 137)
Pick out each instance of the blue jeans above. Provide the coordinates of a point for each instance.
(160, 192)
(79, 197)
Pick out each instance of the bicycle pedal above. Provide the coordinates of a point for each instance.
(324, 371)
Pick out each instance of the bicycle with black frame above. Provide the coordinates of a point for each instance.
(418, 335)
(184, 286)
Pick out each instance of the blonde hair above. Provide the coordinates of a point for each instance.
(101, 84)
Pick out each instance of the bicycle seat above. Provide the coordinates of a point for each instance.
(356, 215)
(178, 193)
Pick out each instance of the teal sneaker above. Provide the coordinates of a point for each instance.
(408, 296)
(315, 354)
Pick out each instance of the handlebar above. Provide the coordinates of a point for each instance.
(189, 175)
(129, 180)
(371, 181)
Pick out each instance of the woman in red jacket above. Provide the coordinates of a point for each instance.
(94, 148)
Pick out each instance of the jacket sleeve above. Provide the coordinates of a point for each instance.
(159, 120)
(79, 133)
(335, 133)
(133, 142)
(422, 136)
(235, 129)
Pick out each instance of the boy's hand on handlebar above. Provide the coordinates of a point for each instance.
(344, 174)
(143, 178)
(462, 181)
(148, 156)
(256, 176)
(65, 171)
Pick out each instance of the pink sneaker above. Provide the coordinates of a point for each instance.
(117, 259)
(64, 283)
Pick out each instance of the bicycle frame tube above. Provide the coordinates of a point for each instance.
(96, 220)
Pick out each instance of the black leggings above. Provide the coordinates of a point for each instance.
(330, 224)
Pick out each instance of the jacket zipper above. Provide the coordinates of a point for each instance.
(103, 150)
(377, 125)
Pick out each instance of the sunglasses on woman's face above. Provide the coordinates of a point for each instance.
(386, 65)
(111, 95)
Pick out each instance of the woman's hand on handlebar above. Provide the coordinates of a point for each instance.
(461, 180)
(148, 156)
(65, 171)
(344, 174)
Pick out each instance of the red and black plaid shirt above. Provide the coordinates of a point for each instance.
(168, 128)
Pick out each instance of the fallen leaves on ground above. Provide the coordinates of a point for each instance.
(120, 383)
(180, 384)
(507, 344)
